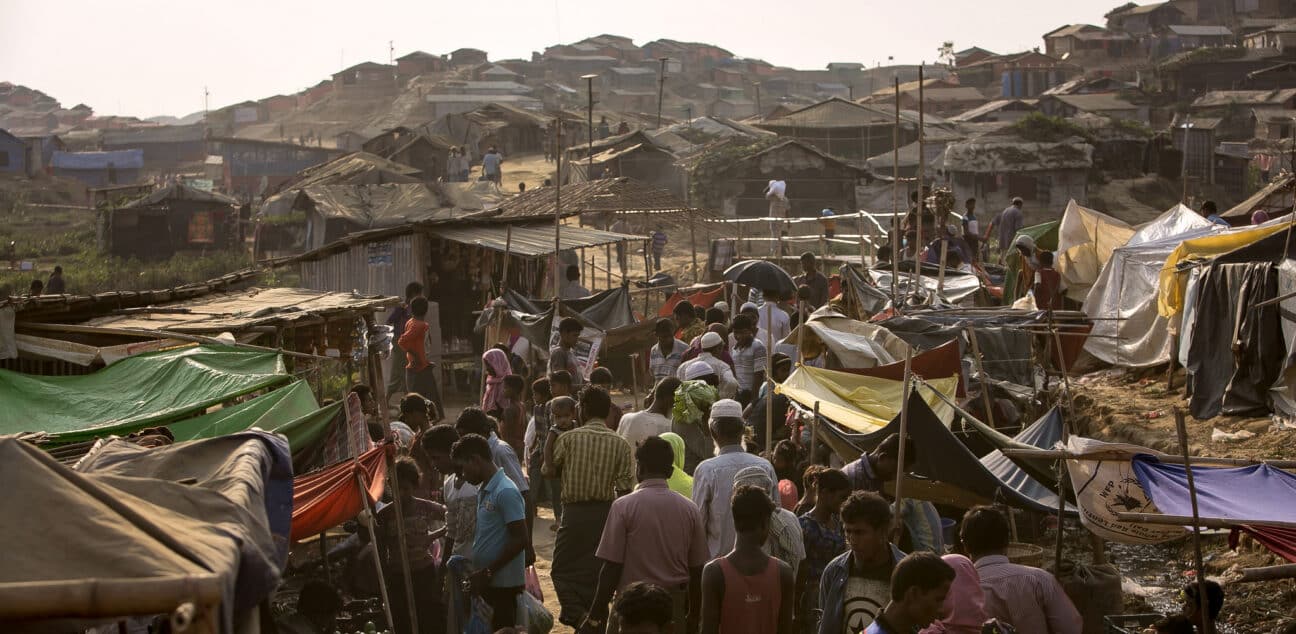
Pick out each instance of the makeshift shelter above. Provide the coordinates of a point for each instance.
(102, 543)
(1276, 199)
(958, 288)
(171, 219)
(995, 168)
(148, 389)
(328, 497)
(944, 459)
(860, 404)
(850, 344)
(1086, 239)
(1045, 236)
(1173, 279)
(1128, 331)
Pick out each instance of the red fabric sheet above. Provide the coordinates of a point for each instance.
(1280, 541)
(706, 299)
(938, 363)
(326, 498)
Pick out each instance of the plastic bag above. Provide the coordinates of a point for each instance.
(534, 615)
(533, 584)
(479, 620)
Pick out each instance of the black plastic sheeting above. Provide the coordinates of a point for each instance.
(1005, 350)
(1237, 353)
(944, 458)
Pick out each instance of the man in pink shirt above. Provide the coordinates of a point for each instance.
(653, 535)
(1027, 598)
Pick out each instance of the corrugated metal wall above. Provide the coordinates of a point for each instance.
(376, 268)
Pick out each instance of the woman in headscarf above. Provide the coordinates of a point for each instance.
(495, 364)
(679, 482)
(1259, 217)
(964, 608)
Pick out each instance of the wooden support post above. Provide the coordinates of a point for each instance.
(634, 379)
(986, 399)
(895, 201)
(801, 322)
(323, 548)
(940, 276)
(1061, 492)
(904, 435)
(373, 551)
(814, 434)
(1066, 374)
(693, 244)
(1182, 427)
(396, 502)
(769, 378)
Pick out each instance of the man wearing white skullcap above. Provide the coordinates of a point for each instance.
(713, 481)
(712, 343)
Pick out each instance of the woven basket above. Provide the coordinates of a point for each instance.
(1026, 554)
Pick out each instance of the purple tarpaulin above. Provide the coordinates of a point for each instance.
(1256, 493)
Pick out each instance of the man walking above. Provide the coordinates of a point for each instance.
(654, 421)
(747, 591)
(749, 358)
(500, 536)
(857, 584)
(562, 357)
(653, 535)
(594, 466)
(665, 356)
(399, 317)
(491, 162)
(1009, 223)
(810, 276)
(713, 480)
(1027, 598)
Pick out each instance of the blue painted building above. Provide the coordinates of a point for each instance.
(99, 169)
(13, 154)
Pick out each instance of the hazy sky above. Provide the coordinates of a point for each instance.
(151, 57)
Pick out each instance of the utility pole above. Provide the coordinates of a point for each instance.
(391, 52)
(206, 102)
(557, 274)
(661, 88)
(589, 169)
(1183, 175)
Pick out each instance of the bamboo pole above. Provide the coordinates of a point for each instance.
(940, 276)
(557, 206)
(373, 550)
(922, 181)
(1268, 573)
(904, 435)
(801, 328)
(167, 334)
(378, 390)
(693, 243)
(895, 201)
(1204, 522)
(769, 375)
(814, 434)
(1066, 375)
(1182, 428)
(1061, 491)
(986, 401)
(1057, 454)
(634, 379)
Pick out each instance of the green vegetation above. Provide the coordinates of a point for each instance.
(1040, 128)
(90, 271)
(1132, 127)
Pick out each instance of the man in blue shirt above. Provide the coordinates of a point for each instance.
(1211, 212)
(501, 530)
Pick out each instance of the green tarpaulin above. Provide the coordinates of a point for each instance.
(1045, 236)
(290, 410)
(143, 390)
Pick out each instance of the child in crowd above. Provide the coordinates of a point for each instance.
(512, 424)
(602, 377)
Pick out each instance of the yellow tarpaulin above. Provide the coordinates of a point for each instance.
(1170, 295)
(1086, 239)
(860, 403)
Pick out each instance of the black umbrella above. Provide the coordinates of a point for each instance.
(762, 274)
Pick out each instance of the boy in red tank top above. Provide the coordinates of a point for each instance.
(747, 591)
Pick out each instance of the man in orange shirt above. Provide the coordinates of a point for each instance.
(420, 374)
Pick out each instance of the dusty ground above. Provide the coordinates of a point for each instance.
(1135, 407)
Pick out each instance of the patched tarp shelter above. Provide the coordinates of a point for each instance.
(1128, 331)
(170, 219)
(136, 532)
(859, 404)
(148, 389)
(1086, 240)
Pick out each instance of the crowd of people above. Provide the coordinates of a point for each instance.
(678, 517)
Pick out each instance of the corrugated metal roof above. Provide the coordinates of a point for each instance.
(604, 195)
(156, 134)
(120, 159)
(528, 240)
(833, 113)
(1098, 102)
(240, 310)
(180, 191)
(1200, 30)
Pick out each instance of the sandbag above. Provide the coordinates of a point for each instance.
(1095, 589)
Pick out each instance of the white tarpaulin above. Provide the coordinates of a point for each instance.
(1127, 329)
(958, 288)
(854, 344)
(1106, 487)
(1086, 239)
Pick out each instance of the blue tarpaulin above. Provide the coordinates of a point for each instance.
(1258, 493)
(1043, 434)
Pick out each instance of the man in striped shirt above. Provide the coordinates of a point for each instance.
(665, 357)
(658, 246)
(749, 358)
(1027, 598)
(595, 465)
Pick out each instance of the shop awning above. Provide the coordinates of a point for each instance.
(530, 240)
